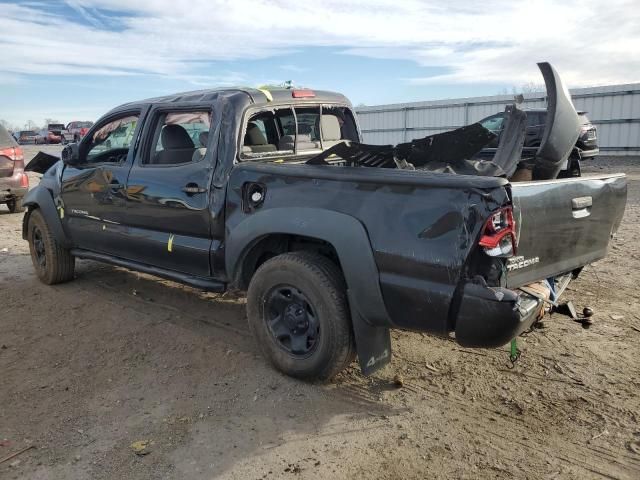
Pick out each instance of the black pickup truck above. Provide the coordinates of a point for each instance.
(248, 189)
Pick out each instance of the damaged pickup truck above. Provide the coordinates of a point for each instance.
(335, 242)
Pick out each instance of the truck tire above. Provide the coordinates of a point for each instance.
(52, 262)
(15, 205)
(299, 314)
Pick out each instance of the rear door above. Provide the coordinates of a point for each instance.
(563, 224)
(168, 219)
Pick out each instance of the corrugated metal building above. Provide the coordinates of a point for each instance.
(614, 109)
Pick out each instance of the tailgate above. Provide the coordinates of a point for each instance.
(563, 224)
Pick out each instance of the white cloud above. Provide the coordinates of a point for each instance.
(293, 68)
(589, 41)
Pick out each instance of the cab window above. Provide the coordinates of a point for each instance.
(110, 143)
(179, 137)
(293, 131)
(535, 119)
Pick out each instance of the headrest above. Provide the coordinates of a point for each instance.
(203, 138)
(304, 129)
(301, 138)
(254, 135)
(330, 127)
(175, 137)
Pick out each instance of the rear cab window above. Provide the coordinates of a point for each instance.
(291, 131)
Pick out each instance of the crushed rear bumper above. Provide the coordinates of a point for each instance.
(492, 316)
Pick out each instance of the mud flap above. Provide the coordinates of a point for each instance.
(373, 344)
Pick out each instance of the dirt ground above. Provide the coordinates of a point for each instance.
(89, 367)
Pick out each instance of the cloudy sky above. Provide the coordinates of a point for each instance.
(73, 60)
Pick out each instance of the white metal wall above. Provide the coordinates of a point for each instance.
(614, 109)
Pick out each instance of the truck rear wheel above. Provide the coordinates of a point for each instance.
(52, 262)
(299, 314)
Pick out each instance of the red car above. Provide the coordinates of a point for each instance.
(52, 133)
(14, 183)
(76, 130)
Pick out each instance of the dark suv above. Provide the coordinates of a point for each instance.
(14, 183)
(586, 145)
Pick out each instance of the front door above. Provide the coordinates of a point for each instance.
(168, 189)
(93, 191)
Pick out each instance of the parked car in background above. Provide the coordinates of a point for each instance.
(53, 133)
(586, 146)
(27, 136)
(14, 183)
(77, 130)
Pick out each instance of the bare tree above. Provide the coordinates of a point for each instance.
(532, 87)
(529, 87)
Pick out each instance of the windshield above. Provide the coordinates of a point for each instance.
(56, 126)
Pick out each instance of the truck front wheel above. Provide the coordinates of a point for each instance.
(53, 263)
(299, 314)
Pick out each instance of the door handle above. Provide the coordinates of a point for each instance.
(581, 202)
(581, 206)
(193, 188)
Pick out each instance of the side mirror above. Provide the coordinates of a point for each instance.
(71, 154)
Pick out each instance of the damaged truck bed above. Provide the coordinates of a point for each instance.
(335, 241)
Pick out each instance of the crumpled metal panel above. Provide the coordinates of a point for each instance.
(444, 152)
(561, 130)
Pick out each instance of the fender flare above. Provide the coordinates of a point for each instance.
(40, 197)
(350, 239)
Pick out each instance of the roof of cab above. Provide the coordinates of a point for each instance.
(257, 96)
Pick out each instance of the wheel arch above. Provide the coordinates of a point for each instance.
(41, 198)
(340, 233)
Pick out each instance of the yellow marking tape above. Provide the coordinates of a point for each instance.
(170, 244)
(267, 94)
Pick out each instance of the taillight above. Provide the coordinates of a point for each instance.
(499, 234)
(14, 153)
